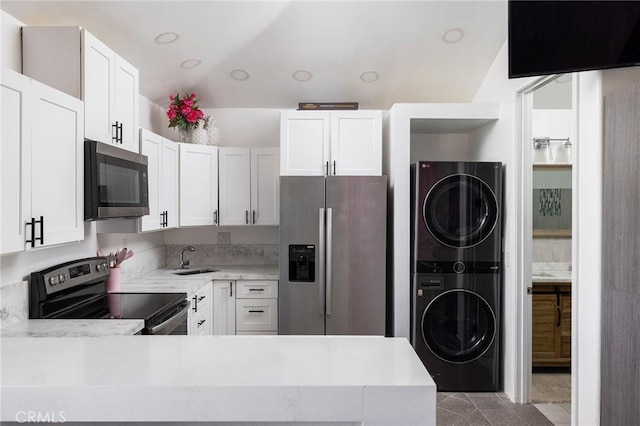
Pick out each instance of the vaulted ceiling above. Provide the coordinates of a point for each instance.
(408, 44)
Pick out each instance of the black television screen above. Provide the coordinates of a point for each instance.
(551, 37)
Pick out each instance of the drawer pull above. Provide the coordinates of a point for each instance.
(201, 322)
(201, 298)
(256, 311)
(256, 289)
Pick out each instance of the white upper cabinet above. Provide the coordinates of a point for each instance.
(265, 186)
(126, 100)
(304, 143)
(235, 186)
(42, 165)
(249, 186)
(169, 183)
(162, 156)
(198, 185)
(321, 143)
(14, 150)
(74, 61)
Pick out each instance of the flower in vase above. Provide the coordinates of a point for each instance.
(184, 113)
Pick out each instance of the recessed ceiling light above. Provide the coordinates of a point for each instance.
(239, 74)
(190, 63)
(369, 76)
(453, 35)
(302, 75)
(166, 38)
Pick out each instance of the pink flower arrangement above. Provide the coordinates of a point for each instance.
(184, 112)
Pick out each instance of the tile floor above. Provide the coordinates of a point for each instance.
(495, 409)
(558, 413)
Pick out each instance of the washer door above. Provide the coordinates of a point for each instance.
(460, 211)
(458, 326)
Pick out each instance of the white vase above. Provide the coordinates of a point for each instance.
(213, 134)
(185, 135)
(199, 136)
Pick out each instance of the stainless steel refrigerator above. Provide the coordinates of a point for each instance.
(332, 255)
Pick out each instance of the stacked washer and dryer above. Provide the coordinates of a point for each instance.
(456, 258)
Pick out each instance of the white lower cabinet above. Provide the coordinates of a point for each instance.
(224, 307)
(200, 318)
(245, 307)
(257, 306)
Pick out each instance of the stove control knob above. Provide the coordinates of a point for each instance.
(105, 266)
(53, 280)
(61, 278)
(99, 267)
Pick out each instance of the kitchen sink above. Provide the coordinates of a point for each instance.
(195, 271)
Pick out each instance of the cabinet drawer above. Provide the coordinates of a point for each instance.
(200, 323)
(200, 301)
(257, 290)
(256, 314)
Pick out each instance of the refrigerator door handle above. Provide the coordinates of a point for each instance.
(321, 261)
(328, 260)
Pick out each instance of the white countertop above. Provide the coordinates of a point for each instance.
(219, 378)
(551, 276)
(73, 328)
(165, 279)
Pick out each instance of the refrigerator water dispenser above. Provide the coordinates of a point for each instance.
(302, 263)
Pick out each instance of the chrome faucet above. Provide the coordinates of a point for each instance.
(184, 263)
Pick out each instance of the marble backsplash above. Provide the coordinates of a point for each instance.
(552, 250)
(14, 303)
(232, 254)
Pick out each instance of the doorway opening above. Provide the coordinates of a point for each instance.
(548, 140)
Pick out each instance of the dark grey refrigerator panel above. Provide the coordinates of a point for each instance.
(332, 255)
(356, 254)
(301, 286)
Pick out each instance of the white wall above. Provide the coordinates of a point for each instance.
(496, 142)
(439, 147)
(11, 43)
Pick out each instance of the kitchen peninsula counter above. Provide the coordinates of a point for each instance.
(373, 380)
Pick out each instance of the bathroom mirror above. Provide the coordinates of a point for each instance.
(551, 200)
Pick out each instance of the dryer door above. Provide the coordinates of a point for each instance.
(460, 211)
(458, 326)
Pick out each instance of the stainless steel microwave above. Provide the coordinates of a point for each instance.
(115, 182)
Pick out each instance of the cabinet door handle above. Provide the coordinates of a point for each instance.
(246, 217)
(256, 311)
(120, 134)
(327, 168)
(201, 298)
(32, 224)
(114, 132)
(231, 289)
(215, 217)
(41, 238)
(195, 303)
(254, 217)
(201, 322)
(334, 167)
(559, 316)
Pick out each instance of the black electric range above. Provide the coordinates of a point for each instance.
(77, 290)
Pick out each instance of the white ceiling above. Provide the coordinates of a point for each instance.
(335, 40)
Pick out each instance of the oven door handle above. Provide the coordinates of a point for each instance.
(169, 325)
